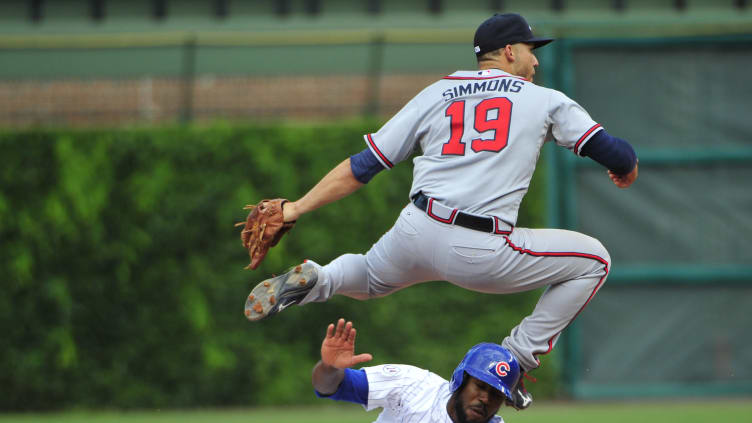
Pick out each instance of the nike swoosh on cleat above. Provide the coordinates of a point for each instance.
(283, 306)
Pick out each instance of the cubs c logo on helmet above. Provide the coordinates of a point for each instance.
(490, 363)
(502, 368)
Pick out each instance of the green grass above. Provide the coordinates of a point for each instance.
(699, 411)
(345, 413)
(705, 411)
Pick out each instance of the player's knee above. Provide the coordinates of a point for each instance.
(602, 263)
(600, 250)
(377, 289)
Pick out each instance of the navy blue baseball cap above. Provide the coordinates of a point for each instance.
(502, 29)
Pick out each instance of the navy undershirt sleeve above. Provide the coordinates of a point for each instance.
(354, 388)
(365, 165)
(613, 153)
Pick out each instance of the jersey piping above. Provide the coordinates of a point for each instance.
(430, 212)
(563, 254)
(484, 77)
(585, 136)
(378, 152)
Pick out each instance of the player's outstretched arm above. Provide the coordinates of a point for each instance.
(337, 354)
(338, 183)
(624, 181)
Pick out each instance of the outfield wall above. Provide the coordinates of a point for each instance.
(128, 67)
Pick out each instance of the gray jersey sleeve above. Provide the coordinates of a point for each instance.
(571, 125)
(395, 141)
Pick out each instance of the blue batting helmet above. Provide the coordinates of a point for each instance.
(490, 363)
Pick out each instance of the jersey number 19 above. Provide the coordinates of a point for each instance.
(482, 123)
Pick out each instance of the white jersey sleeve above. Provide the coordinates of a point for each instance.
(571, 125)
(390, 384)
(396, 140)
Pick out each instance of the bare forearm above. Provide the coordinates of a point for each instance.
(326, 379)
(338, 183)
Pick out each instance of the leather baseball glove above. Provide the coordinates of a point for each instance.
(263, 228)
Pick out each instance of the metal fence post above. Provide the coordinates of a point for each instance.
(375, 70)
(188, 78)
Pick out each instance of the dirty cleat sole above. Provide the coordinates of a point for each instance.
(274, 295)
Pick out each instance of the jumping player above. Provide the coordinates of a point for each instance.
(480, 384)
(480, 133)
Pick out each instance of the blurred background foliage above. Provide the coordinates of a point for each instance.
(123, 281)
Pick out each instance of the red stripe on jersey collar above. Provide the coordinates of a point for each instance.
(484, 77)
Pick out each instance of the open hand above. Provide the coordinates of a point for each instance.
(338, 348)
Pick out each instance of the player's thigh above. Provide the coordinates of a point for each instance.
(403, 255)
(473, 259)
(549, 256)
(527, 259)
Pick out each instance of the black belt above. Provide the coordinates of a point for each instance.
(483, 224)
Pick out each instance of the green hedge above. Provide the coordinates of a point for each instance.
(123, 282)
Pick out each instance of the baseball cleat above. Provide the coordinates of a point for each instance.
(522, 399)
(276, 294)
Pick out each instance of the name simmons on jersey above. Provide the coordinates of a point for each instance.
(500, 85)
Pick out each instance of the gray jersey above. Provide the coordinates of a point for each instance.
(480, 133)
(409, 394)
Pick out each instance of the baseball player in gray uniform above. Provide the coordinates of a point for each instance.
(480, 384)
(480, 133)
